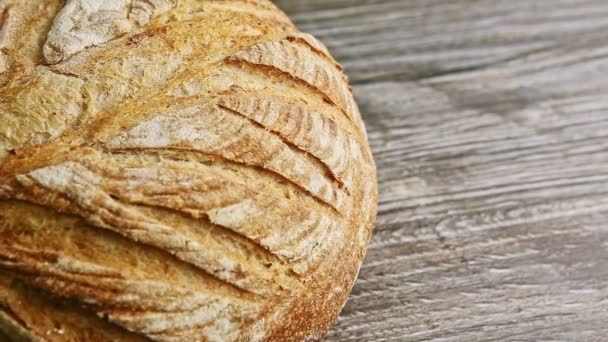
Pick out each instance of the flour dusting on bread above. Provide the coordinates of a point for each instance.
(175, 170)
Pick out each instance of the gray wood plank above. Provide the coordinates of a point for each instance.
(397, 39)
(489, 124)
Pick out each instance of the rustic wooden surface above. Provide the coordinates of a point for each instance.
(489, 123)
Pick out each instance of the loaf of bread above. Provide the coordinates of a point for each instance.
(175, 170)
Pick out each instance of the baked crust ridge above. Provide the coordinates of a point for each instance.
(175, 171)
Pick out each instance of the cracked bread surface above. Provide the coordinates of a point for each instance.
(175, 171)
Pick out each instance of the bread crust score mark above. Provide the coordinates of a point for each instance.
(175, 171)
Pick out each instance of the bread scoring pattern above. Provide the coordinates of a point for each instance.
(179, 170)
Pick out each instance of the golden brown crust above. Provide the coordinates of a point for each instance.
(178, 171)
(30, 315)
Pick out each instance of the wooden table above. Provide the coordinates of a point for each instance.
(489, 124)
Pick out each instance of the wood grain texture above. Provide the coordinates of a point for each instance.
(489, 125)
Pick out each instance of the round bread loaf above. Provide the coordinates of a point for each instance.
(176, 171)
